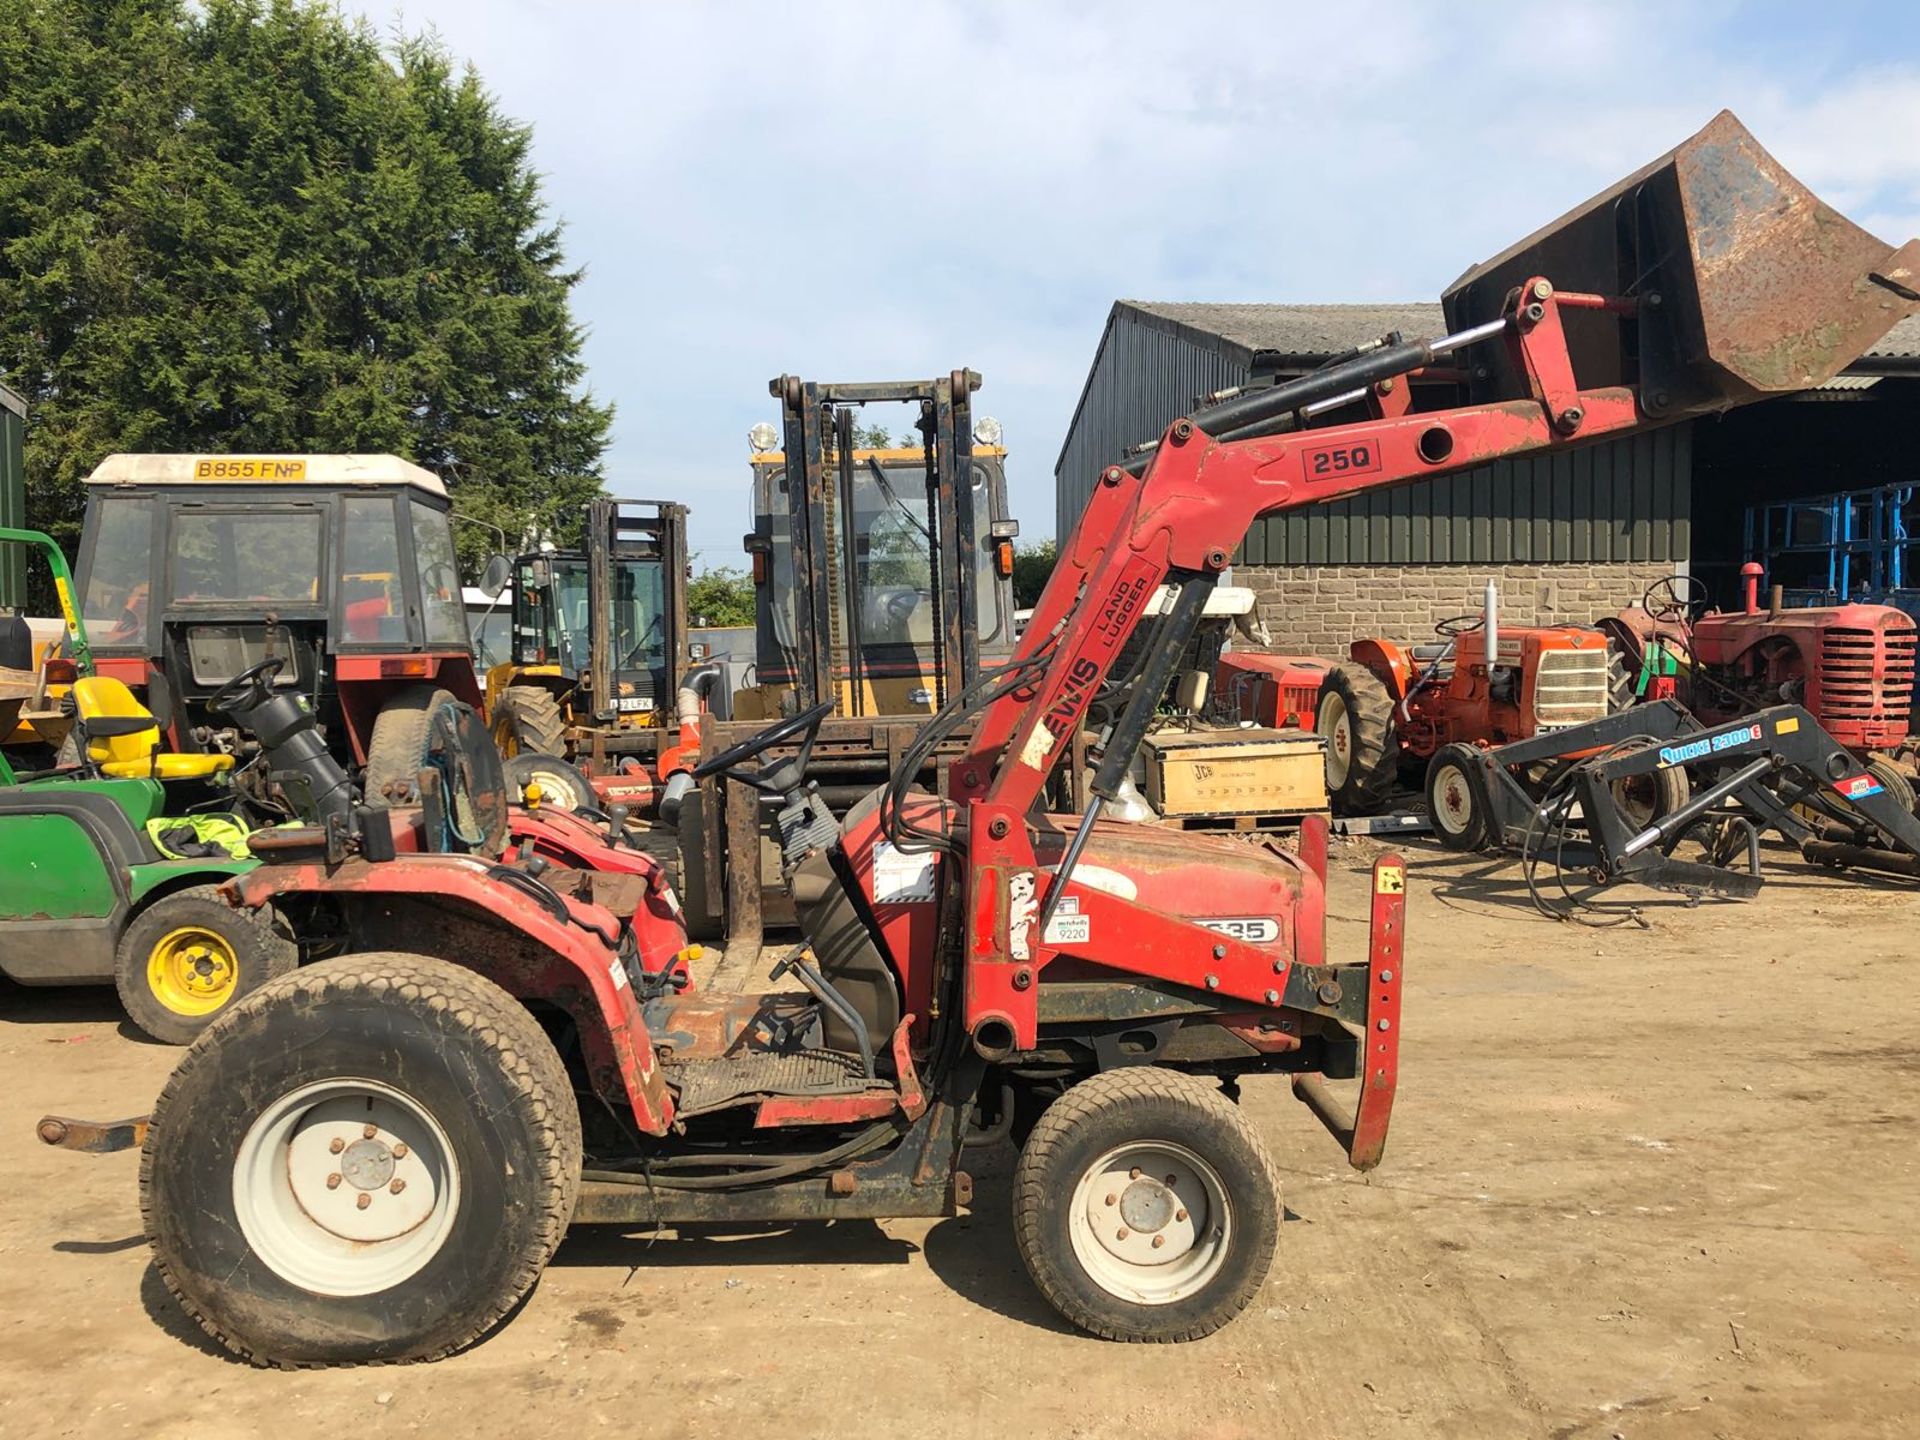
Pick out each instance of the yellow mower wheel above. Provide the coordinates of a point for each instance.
(187, 957)
(192, 971)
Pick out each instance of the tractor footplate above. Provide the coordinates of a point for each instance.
(759, 1074)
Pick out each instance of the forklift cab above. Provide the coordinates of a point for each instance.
(195, 567)
(882, 576)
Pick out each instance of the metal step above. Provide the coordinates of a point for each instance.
(705, 1085)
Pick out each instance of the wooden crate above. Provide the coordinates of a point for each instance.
(1236, 772)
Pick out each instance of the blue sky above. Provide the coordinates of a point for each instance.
(867, 190)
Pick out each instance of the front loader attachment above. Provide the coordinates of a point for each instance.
(1738, 281)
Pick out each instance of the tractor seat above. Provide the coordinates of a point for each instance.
(108, 718)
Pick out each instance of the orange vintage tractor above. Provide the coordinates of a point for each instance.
(1390, 709)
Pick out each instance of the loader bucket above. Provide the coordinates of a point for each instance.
(1746, 284)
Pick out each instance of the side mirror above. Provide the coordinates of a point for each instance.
(494, 578)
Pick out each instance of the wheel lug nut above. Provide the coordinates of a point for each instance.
(400, 1151)
(1113, 1199)
(336, 1145)
(370, 1130)
(364, 1200)
(1179, 1214)
(1158, 1241)
(1120, 1235)
(1172, 1180)
(397, 1186)
(333, 1182)
(1134, 1174)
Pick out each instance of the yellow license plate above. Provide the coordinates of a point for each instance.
(250, 468)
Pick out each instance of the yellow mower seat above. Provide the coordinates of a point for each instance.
(132, 753)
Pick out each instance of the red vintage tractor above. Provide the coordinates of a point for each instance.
(373, 1158)
(1851, 666)
(1390, 709)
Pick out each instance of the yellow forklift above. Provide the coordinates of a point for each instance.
(596, 655)
(882, 582)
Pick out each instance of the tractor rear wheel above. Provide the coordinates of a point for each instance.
(1354, 714)
(397, 749)
(1145, 1206)
(1644, 799)
(188, 956)
(527, 719)
(1458, 804)
(371, 1159)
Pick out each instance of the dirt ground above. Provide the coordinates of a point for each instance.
(1645, 1182)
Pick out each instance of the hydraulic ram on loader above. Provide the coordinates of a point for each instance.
(973, 967)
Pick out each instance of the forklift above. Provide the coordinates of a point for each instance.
(597, 654)
(882, 586)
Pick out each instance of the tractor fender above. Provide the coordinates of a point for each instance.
(1386, 660)
(509, 936)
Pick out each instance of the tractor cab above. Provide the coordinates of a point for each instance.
(194, 568)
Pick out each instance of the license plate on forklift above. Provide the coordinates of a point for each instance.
(639, 702)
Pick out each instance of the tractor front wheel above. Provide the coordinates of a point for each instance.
(1145, 1206)
(1458, 804)
(371, 1159)
(1354, 715)
(397, 749)
(526, 719)
(188, 956)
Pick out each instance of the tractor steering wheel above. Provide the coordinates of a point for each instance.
(1673, 598)
(1455, 626)
(250, 684)
(806, 723)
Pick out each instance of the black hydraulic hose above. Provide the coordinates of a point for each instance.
(869, 1139)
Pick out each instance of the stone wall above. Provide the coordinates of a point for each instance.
(1318, 610)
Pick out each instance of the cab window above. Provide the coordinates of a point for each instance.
(119, 567)
(440, 603)
(255, 557)
(371, 607)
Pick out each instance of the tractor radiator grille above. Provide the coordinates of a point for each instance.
(1866, 674)
(1570, 688)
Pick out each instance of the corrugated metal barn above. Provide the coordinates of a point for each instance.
(1567, 536)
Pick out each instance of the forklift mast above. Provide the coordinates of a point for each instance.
(620, 531)
(818, 420)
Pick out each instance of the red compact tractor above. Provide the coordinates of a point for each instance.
(1850, 666)
(1391, 710)
(374, 1157)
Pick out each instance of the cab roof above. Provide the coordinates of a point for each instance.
(215, 470)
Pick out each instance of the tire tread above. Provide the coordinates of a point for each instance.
(528, 1059)
(1058, 1123)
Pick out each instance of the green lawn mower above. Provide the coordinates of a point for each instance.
(108, 869)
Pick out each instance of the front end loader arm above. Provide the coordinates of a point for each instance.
(1687, 294)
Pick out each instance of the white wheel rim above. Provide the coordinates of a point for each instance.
(1453, 800)
(1337, 726)
(1150, 1222)
(556, 788)
(345, 1187)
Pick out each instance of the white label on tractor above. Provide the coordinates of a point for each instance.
(1039, 745)
(1254, 929)
(618, 970)
(901, 877)
(1068, 926)
(1099, 877)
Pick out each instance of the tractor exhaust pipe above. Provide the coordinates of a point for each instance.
(1490, 626)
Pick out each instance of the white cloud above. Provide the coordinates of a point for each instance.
(856, 190)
